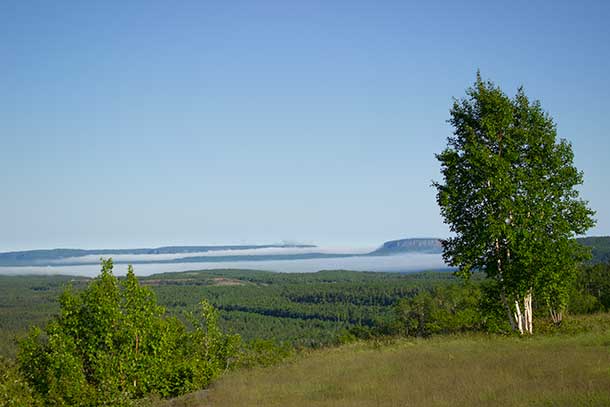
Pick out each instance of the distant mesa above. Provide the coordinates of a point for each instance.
(599, 245)
(418, 245)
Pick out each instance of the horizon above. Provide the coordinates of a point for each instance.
(190, 245)
(149, 124)
(280, 258)
(338, 247)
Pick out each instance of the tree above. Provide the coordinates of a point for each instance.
(112, 344)
(510, 201)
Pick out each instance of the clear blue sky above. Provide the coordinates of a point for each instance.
(129, 124)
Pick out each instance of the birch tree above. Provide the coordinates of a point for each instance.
(508, 195)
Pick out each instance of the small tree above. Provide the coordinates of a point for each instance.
(509, 198)
(112, 343)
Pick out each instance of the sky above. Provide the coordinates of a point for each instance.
(139, 124)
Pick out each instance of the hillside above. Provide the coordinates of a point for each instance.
(426, 245)
(600, 248)
(443, 371)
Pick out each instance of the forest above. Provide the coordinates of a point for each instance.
(305, 310)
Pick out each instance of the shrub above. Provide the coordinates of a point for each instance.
(264, 352)
(112, 344)
(14, 389)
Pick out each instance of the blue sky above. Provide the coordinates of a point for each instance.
(129, 124)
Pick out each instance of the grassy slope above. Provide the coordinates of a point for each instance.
(444, 371)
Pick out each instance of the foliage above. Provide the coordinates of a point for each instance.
(591, 291)
(303, 310)
(263, 352)
(493, 313)
(307, 310)
(14, 389)
(600, 248)
(509, 197)
(274, 312)
(112, 343)
(593, 324)
(441, 310)
(26, 301)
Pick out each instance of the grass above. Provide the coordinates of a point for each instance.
(444, 371)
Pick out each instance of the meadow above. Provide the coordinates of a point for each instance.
(566, 369)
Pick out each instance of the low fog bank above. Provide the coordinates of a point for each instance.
(268, 251)
(409, 262)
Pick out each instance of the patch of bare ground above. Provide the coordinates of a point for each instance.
(167, 281)
(226, 281)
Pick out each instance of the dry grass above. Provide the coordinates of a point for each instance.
(449, 371)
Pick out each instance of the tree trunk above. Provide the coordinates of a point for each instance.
(525, 319)
(513, 324)
(529, 314)
(556, 316)
(509, 312)
(519, 317)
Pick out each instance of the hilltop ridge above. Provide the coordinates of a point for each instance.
(420, 245)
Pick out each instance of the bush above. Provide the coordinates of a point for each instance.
(14, 389)
(112, 344)
(262, 352)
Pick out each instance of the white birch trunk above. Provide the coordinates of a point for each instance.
(519, 317)
(556, 316)
(527, 303)
(525, 319)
